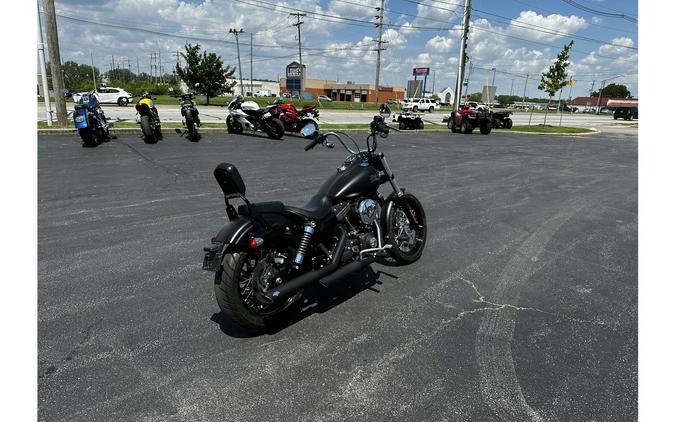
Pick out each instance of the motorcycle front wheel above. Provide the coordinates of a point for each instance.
(148, 134)
(233, 126)
(88, 137)
(407, 240)
(236, 285)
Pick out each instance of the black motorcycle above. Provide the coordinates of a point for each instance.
(188, 109)
(269, 252)
(247, 115)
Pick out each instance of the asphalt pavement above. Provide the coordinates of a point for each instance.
(523, 306)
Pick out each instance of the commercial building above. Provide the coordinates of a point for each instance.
(591, 103)
(349, 91)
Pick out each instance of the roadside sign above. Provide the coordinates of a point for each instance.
(421, 71)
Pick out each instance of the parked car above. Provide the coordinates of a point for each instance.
(324, 98)
(109, 95)
(420, 104)
(626, 113)
(262, 93)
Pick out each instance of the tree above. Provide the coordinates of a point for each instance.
(205, 69)
(476, 96)
(555, 78)
(613, 90)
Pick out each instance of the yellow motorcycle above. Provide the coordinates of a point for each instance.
(149, 119)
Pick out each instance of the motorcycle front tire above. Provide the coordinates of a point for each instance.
(148, 133)
(404, 255)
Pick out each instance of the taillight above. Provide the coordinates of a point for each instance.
(255, 242)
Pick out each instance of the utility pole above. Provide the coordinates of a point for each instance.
(161, 73)
(527, 78)
(43, 72)
(468, 76)
(251, 81)
(236, 36)
(512, 81)
(379, 24)
(302, 69)
(462, 53)
(112, 67)
(138, 68)
(93, 71)
(433, 82)
(55, 61)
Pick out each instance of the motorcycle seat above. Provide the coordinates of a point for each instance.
(316, 209)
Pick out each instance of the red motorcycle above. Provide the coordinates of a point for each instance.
(294, 120)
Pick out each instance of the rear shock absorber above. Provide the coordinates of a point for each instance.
(304, 242)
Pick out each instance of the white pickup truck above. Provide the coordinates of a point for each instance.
(419, 104)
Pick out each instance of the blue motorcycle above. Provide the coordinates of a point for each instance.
(90, 121)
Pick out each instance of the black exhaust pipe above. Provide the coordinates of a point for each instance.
(300, 282)
(349, 269)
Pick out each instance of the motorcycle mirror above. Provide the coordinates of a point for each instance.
(309, 130)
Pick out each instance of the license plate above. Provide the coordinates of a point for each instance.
(211, 258)
(266, 115)
(79, 118)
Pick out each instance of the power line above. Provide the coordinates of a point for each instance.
(533, 7)
(525, 25)
(600, 12)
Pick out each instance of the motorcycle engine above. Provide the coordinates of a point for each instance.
(368, 211)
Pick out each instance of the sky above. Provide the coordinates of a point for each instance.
(515, 37)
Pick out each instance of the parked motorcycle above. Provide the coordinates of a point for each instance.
(191, 122)
(149, 119)
(90, 121)
(248, 115)
(269, 252)
(294, 120)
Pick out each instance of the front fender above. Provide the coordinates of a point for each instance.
(388, 210)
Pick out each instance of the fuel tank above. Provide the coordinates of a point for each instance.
(351, 180)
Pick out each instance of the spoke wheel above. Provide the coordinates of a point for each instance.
(407, 239)
(239, 286)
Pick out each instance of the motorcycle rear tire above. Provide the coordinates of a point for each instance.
(275, 128)
(148, 134)
(228, 295)
(88, 137)
(192, 133)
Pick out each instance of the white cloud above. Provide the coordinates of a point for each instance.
(554, 22)
(439, 44)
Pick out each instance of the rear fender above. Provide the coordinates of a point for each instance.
(80, 118)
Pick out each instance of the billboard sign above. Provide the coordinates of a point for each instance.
(421, 71)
